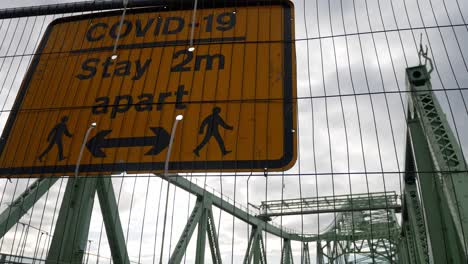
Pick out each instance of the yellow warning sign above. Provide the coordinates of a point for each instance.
(235, 90)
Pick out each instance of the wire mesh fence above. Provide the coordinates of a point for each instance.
(352, 114)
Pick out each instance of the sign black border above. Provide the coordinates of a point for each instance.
(288, 159)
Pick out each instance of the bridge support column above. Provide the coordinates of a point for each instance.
(320, 254)
(441, 168)
(71, 230)
(72, 227)
(286, 254)
(202, 215)
(255, 249)
(305, 255)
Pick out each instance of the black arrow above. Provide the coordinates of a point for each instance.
(98, 142)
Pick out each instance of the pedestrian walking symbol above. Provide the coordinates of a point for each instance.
(55, 137)
(212, 122)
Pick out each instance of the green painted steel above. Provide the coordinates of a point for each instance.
(239, 213)
(440, 241)
(213, 239)
(330, 204)
(202, 216)
(71, 230)
(286, 254)
(320, 253)
(380, 228)
(110, 216)
(305, 255)
(441, 172)
(255, 253)
(341, 240)
(11, 215)
(407, 251)
(201, 238)
(379, 234)
(414, 225)
(72, 227)
(190, 226)
(365, 225)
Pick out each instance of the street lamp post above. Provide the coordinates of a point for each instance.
(83, 144)
(166, 169)
(248, 209)
(248, 179)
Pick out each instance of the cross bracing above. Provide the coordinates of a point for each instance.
(355, 236)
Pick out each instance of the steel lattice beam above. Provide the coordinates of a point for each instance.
(13, 213)
(330, 204)
(441, 172)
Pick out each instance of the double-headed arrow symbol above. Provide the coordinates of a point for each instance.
(99, 141)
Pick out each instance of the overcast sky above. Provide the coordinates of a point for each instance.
(343, 131)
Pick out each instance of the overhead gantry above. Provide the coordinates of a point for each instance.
(364, 225)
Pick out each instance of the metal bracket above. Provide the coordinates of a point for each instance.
(423, 54)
